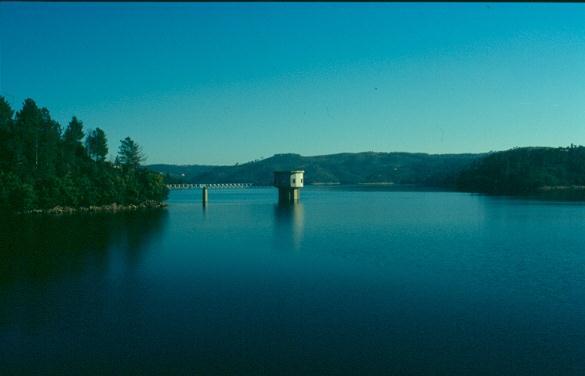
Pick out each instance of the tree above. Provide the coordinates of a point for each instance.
(74, 132)
(48, 145)
(97, 144)
(74, 154)
(27, 129)
(6, 153)
(130, 154)
(33, 144)
(6, 113)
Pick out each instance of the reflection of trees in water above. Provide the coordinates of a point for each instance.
(38, 248)
(289, 225)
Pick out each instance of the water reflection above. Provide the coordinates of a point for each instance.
(289, 225)
(40, 248)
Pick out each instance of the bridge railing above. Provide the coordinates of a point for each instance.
(210, 186)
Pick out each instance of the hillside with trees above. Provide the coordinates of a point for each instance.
(43, 166)
(526, 170)
(519, 171)
(343, 168)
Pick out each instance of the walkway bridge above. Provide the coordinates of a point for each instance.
(210, 186)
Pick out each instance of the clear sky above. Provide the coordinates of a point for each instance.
(224, 83)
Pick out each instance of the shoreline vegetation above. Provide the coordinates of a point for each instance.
(45, 169)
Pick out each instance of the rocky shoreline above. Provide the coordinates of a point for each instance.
(110, 208)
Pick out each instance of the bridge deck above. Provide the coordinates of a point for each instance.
(210, 186)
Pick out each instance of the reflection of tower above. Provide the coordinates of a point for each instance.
(289, 222)
(289, 184)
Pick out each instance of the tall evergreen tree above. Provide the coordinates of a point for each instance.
(74, 132)
(49, 145)
(6, 121)
(130, 154)
(28, 124)
(6, 113)
(73, 150)
(97, 144)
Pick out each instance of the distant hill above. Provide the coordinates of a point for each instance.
(526, 171)
(343, 168)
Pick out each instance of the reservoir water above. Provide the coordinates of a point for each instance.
(351, 281)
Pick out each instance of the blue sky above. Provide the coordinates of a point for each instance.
(225, 83)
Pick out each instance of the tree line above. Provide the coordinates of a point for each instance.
(43, 166)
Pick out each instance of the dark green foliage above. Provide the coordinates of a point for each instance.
(6, 114)
(130, 154)
(73, 153)
(172, 179)
(39, 168)
(74, 132)
(97, 145)
(151, 184)
(525, 170)
(15, 194)
(34, 142)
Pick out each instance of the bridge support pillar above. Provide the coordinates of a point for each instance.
(204, 196)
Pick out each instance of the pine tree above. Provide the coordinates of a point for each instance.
(130, 154)
(97, 144)
(6, 123)
(74, 132)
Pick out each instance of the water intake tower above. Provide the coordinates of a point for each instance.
(289, 184)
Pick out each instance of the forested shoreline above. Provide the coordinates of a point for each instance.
(527, 171)
(43, 166)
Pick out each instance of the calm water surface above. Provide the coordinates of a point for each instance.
(349, 281)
